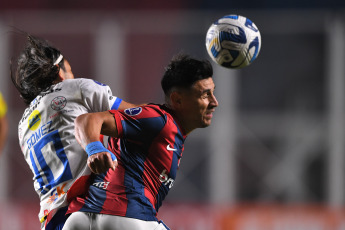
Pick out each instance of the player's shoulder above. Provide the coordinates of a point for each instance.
(83, 81)
(156, 107)
(83, 85)
(146, 111)
(78, 81)
(151, 107)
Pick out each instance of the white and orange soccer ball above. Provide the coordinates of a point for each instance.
(233, 41)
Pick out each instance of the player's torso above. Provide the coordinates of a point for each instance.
(46, 134)
(146, 171)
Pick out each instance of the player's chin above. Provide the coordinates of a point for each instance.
(206, 122)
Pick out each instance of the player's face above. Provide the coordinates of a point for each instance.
(199, 103)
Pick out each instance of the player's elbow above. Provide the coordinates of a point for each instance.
(79, 121)
(78, 127)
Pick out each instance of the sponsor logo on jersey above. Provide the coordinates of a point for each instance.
(97, 82)
(170, 148)
(164, 178)
(34, 104)
(58, 103)
(133, 111)
(34, 120)
(102, 185)
(56, 193)
(60, 112)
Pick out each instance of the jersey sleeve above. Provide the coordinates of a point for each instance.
(98, 96)
(139, 123)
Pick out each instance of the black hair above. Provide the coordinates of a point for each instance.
(183, 71)
(35, 70)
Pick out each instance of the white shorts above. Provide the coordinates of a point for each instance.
(96, 221)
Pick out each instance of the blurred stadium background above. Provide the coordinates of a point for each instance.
(274, 157)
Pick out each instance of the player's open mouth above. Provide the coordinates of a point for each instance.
(209, 114)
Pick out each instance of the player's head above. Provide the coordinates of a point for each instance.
(39, 66)
(188, 87)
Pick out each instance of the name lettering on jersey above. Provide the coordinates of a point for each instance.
(41, 132)
(133, 111)
(34, 120)
(102, 185)
(20, 133)
(164, 178)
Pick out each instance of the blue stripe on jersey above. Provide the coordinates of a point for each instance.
(143, 130)
(138, 205)
(58, 220)
(38, 178)
(53, 138)
(179, 140)
(116, 103)
(96, 197)
(164, 189)
(133, 156)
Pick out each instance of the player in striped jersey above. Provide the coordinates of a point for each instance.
(46, 83)
(146, 148)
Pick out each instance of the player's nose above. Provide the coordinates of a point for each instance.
(214, 101)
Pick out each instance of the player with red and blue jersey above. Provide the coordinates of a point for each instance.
(146, 147)
(145, 172)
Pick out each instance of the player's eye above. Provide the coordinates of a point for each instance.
(205, 95)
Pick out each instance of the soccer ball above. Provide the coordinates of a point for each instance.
(233, 41)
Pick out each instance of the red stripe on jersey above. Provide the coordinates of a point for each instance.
(117, 122)
(116, 202)
(78, 188)
(76, 205)
(117, 197)
(158, 155)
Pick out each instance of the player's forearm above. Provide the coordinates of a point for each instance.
(87, 129)
(89, 126)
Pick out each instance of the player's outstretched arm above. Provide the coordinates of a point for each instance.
(87, 129)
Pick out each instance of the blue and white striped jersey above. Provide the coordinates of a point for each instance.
(47, 139)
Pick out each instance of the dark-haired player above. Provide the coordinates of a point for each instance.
(148, 142)
(46, 83)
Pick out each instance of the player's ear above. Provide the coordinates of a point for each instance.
(61, 76)
(176, 99)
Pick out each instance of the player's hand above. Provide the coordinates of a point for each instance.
(101, 162)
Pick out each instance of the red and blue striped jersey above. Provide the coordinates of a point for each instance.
(149, 149)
